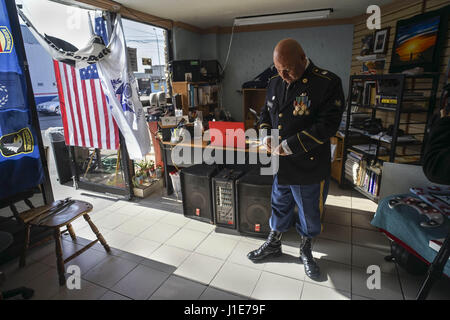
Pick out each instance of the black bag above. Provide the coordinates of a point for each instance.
(262, 79)
(407, 260)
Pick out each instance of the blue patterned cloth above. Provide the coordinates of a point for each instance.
(20, 163)
(403, 222)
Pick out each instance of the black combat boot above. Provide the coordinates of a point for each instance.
(272, 247)
(311, 268)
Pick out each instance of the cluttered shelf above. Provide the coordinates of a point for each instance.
(367, 194)
(370, 152)
(381, 125)
(385, 138)
(393, 109)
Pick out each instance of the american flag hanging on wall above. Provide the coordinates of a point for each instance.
(86, 117)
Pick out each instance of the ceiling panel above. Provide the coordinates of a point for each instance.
(210, 13)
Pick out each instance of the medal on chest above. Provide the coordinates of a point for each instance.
(301, 105)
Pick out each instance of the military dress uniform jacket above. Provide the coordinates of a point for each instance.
(307, 114)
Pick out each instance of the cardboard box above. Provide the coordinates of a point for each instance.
(144, 191)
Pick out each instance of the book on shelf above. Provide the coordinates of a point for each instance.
(387, 101)
(202, 94)
(355, 155)
(383, 136)
(361, 174)
(370, 149)
(436, 244)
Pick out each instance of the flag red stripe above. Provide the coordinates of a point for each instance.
(70, 105)
(86, 132)
(105, 112)
(78, 107)
(116, 135)
(86, 110)
(62, 103)
(97, 117)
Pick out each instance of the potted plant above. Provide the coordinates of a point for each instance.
(139, 178)
(151, 166)
(158, 171)
(144, 167)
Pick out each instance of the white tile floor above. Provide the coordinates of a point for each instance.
(159, 254)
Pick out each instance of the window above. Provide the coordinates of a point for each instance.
(149, 43)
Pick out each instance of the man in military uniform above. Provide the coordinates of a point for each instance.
(305, 103)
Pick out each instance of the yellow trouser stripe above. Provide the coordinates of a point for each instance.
(314, 138)
(298, 136)
(322, 183)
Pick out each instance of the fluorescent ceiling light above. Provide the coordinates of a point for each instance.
(283, 17)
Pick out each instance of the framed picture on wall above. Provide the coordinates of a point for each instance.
(381, 40)
(418, 41)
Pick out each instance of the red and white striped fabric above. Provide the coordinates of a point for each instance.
(86, 118)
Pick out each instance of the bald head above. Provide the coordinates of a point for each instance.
(289, 59)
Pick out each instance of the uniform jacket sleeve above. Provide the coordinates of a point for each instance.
(326, 121)
(436, 158)
(265, 121)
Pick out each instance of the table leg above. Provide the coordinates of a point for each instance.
(26, 243)
(97, 233)
(59, 257)
(71, 232)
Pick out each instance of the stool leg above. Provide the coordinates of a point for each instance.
(15, 213)
(97, 233)
(29, 203)
(71, 232)
(59, 257)
(26, 243)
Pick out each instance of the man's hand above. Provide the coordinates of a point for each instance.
(444, 113)
(267, 143)
(279, 151)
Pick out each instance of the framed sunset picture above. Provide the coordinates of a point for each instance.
(418, 41)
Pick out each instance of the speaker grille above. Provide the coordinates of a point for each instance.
(196, 190)
(254, 198)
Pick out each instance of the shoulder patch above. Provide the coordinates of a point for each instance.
(322, 73)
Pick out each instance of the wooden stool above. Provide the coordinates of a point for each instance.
(44, 217)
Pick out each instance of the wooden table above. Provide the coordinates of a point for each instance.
(44, 217)
(166, 146)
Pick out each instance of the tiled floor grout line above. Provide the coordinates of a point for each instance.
(256, 283)
(162, 283)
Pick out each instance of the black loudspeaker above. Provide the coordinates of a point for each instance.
(196, 191)
(224, 197)
(254, 203)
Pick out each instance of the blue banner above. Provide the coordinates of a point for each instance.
(20, 164)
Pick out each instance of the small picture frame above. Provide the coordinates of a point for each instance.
(381, 40)
(367, 44)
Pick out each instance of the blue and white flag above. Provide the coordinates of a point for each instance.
(11, 95)
(121, 90)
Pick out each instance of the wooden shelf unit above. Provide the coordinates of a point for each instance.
(182, 88)
(255, 99)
